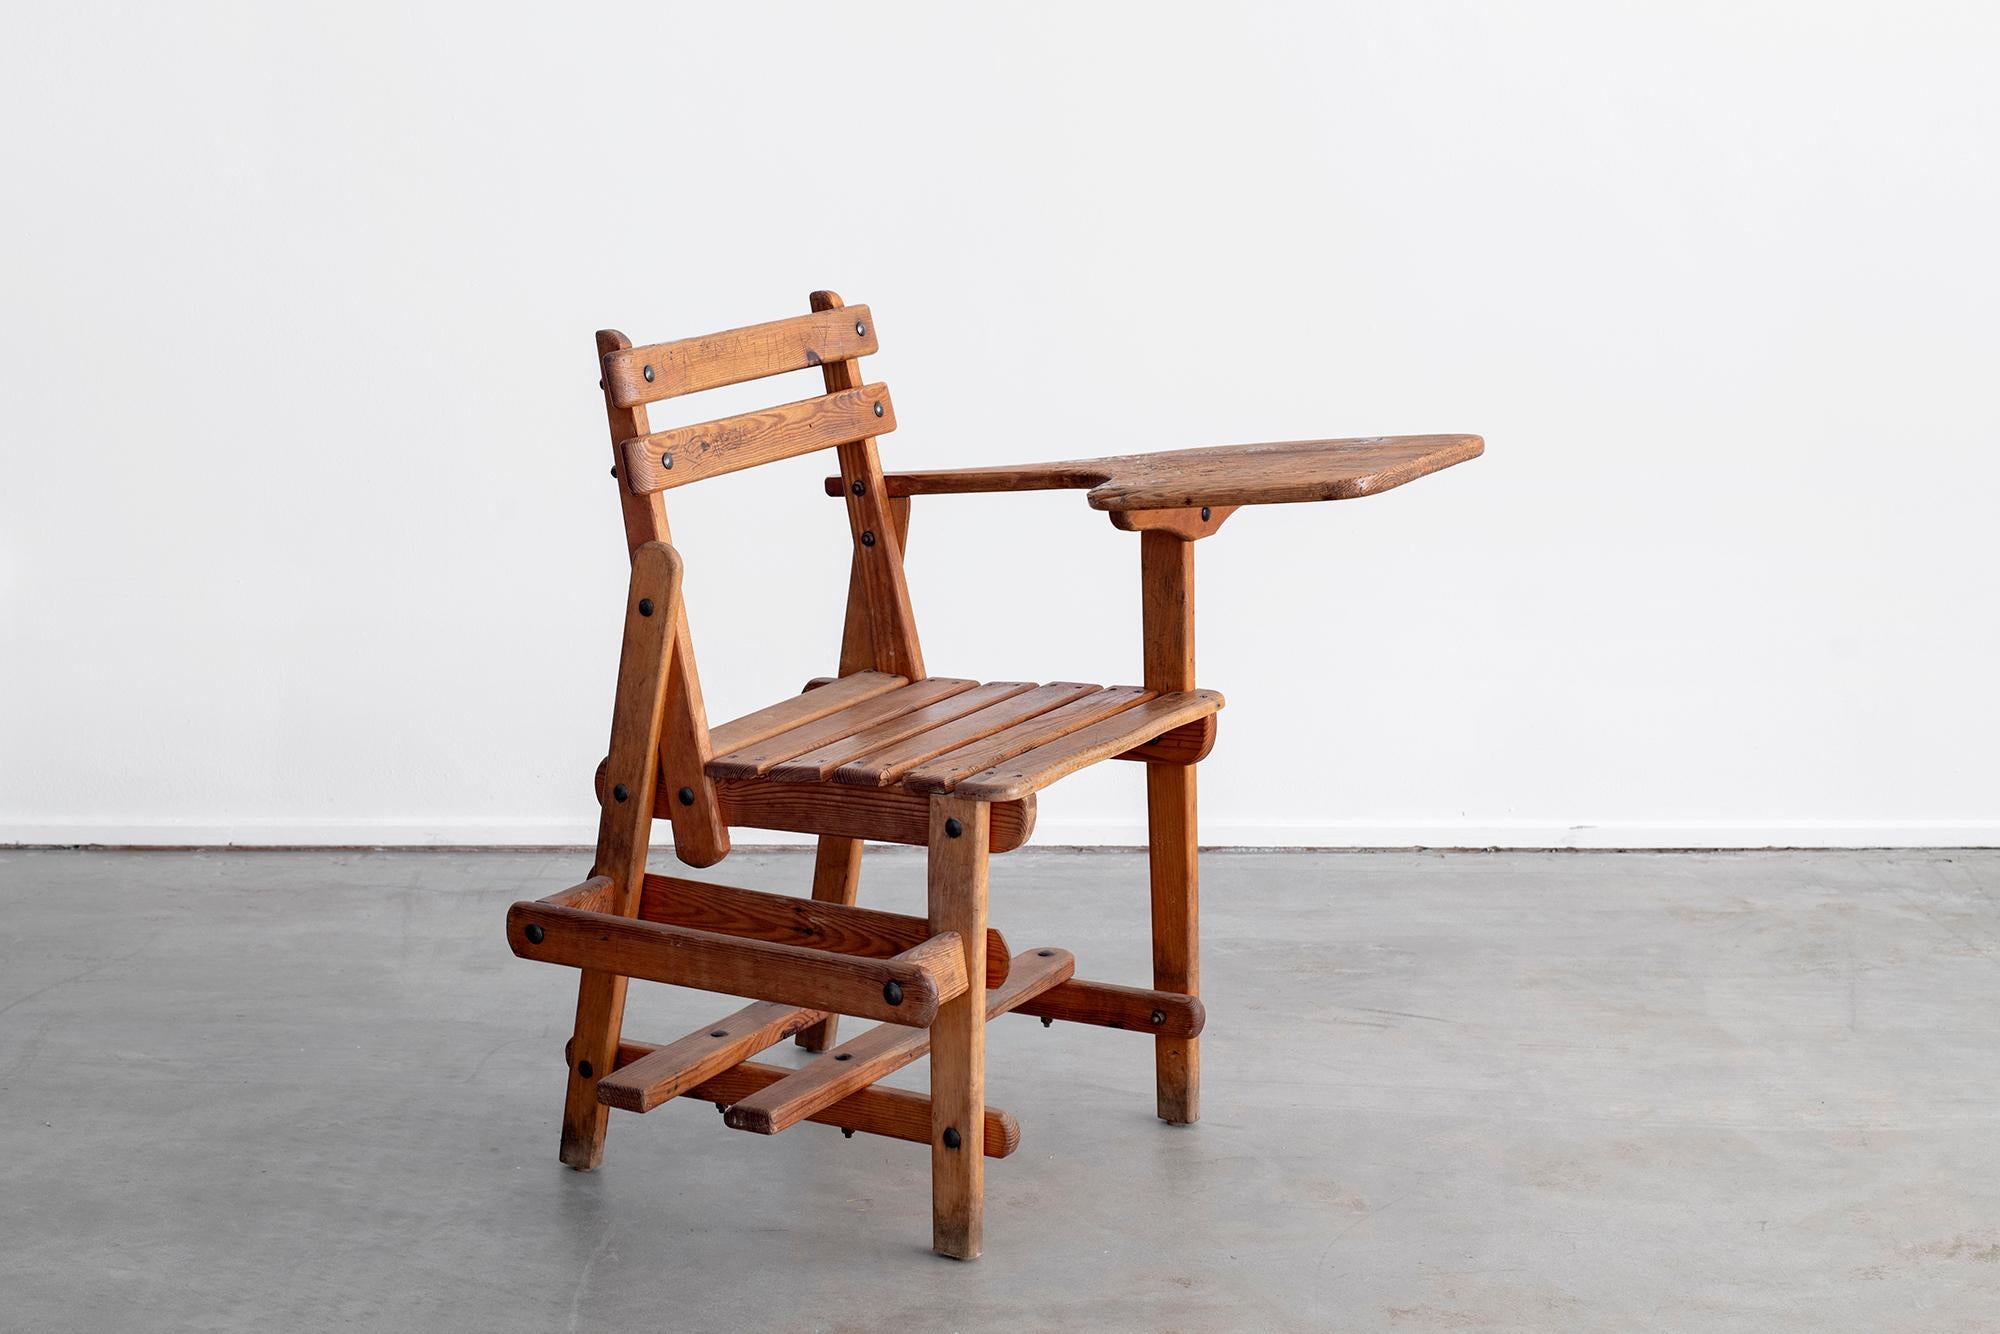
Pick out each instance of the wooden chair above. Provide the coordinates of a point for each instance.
(883, 751)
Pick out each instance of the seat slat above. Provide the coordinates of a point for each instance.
(815, 765)
(801, 709)
(731, 357)
(759, 756)
(708, 449)
(941, 773)
(879, 768)
(1032, 770)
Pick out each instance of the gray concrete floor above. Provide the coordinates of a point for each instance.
(303, 1091)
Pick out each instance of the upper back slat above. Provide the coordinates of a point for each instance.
(750, 353)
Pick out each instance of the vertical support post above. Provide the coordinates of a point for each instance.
(881, 630)
(624, 833)
(700, 837)
(1166, 564)
(960, 833)
(836, 879)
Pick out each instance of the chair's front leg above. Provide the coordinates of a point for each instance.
(959, 840)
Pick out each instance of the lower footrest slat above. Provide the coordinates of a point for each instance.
(858, 1063)
(665, 1073)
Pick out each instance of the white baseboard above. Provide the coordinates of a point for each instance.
(1052, 833)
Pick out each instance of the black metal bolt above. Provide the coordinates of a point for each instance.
(620, 792)
(667, 462)
(859, 488)
(878, 407)
(1204, 514)
(535, 933)
(846, 1132)
(1045, 954)
(860, 329)
(951, 1137)
(719, 1033)
(868, 538)
(1159, 1017)
(843, 1056)
(952, 828)
(648, 374)
(686, 796)
(892, 991)
(614, 470)
(722, 1107)
(583, 1068)
(645, 606)
(1046, 1021)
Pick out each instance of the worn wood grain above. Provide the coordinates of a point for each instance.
(808, 706)
(818, 764)
(759, 757)
(887, 765)
(942, 772)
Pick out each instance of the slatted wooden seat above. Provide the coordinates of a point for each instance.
(887, 752)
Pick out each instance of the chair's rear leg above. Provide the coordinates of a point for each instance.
(959, 840)
(1170, 814)
(836, 879)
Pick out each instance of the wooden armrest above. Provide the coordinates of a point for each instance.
(1269, 474)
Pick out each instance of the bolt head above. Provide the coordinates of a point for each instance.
(859, 488)
(685, 796)
(892, 992)
(667, 462)
(868, 538)
(952, 828)
(1204, 514)
(1159, 1017)
(620, 792)
(951, 1140)
(719, 1033)
(534, 933)
(645, 606)
(648, 373)
(878, 407)
(860, 329)
(1045, 954)
(843, 1056)
(583, 1068)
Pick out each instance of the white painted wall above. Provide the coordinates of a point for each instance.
(308, 535)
